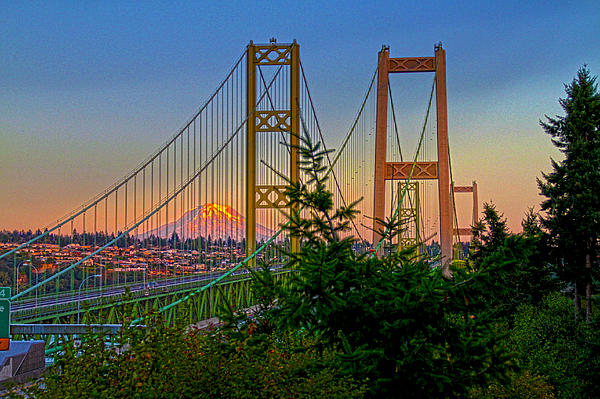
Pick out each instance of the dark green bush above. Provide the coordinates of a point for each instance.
(520, 386)
(168, 362)
(549, 341)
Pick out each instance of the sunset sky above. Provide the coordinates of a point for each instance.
(88, 89)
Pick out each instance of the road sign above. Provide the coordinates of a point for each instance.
(4, 318)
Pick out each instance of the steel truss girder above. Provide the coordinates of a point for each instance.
(198, 307)
(406, 242)
(273, 121)
(401, 170)
(236, 294)
(273, 55)
(264, 192)
(463, 189)
(408, 213)
(412, 186)
(463, 231)
(411, 64)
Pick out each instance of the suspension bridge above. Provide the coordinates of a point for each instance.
(177, 235)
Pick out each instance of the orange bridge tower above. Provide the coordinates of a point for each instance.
(438, 170)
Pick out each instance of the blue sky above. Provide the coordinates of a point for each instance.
(89, 88)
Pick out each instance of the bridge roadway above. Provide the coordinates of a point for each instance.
(107, 294)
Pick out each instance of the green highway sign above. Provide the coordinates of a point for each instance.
(4, 312)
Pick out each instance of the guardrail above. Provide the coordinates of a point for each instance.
(65, 329)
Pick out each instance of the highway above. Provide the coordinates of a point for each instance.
(152, 287)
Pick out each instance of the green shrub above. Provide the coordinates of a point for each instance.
(521, 386)
(393, 320)
(548, 341)
(167, 362)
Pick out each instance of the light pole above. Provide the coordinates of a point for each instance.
(102, 274)
(17, 277)
(36, 287)
(79, 295)
(36, 281)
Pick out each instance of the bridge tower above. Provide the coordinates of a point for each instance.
(269, 121)
(438, 170)
(467, 231)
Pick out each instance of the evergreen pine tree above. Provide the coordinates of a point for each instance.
(488, 235)
(572, 206)
(394, 322)
(531, 224)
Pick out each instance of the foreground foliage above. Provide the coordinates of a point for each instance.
(548, 341)
(558, 357)
(171, 362)
(392, 320)
(512, 268)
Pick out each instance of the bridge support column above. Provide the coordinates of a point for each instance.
(443, 160)
(380, 144)
(274, 120)
(251, 153)
(295, 131)
(475, 204)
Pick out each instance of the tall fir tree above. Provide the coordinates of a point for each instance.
(572, 204)
(488, 235)
(531, 224)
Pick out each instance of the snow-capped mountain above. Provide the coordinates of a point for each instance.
(210, 219)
